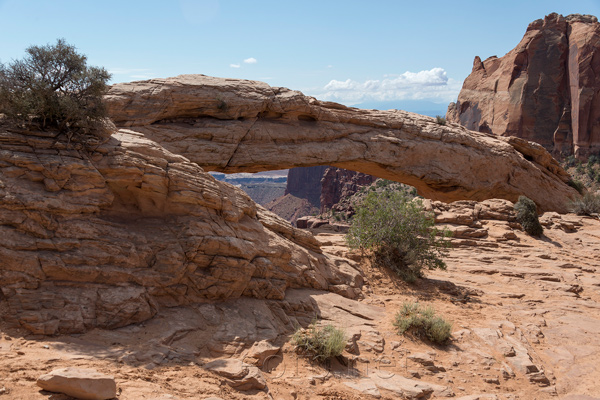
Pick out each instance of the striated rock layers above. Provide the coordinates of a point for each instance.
(104, 236)
(232, 125)
(547, 89)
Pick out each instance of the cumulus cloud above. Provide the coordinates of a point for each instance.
(433, 85)
(234, 65)
(250, 60)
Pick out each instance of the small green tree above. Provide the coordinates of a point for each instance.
(399, 233)
(53, 88)
(528, 217)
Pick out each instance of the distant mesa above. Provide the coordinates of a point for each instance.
(547, 89)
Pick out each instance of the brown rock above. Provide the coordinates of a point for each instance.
(86, 384)
(128, 227)
(237, 374)
(305, 183)
(543, 90)
(244, 126)
(339, 183)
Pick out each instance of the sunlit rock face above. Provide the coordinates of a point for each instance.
(232, 125)
(544, 90)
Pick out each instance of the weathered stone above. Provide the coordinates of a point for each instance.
(245, 126)
(86, 384)
(365, 386)
(134, 228)
(237, 374)
(543, 90)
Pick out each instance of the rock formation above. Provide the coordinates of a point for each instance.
(230, 125)
(545, 90)
(103, 236)
(305, 183)
(339, 183)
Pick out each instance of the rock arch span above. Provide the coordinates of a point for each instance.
(231, 125)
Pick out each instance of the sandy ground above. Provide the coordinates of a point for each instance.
(526, 325)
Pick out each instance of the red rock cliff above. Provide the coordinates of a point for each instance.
(547, 89)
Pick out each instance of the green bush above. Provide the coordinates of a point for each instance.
(399, 234)
(419, 321)
(588, 204)
(528, 217)
(440, 120)
(53, 88)
(320, 343)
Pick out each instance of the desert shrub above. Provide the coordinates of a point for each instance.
(528, 217)
(53, 88)
(320, 342)
(588, 204)
(399, 234)
(577, 185)
(422, 321)
(570, 161)
(440, 120)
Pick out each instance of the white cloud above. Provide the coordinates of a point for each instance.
(433, 85)
(234, 65)
(250, 60)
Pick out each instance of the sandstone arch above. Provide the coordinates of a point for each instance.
(230, 125)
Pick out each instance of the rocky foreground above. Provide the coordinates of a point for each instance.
(123, 255)
(524, 310)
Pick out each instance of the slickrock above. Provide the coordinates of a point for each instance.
(104, 237)
(230, 125)
(238, 374)
(81, 383)
(544, 90)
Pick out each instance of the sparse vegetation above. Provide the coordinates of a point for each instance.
(577, 185)
(320, 343)
(422, 321)
(588, 204)
(399, 234)
(528, 217)
(440, 120)
(53, 88)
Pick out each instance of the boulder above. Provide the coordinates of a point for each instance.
(237, 374)
(81, 383)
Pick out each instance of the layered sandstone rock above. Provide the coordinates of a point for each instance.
(544, 90)
(104, 236)
(233, 126)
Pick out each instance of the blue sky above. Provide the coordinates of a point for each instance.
(348, 51)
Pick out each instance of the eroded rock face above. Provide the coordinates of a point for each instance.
(103, 237)
(339, 183)
(544, 90)
(244, 126)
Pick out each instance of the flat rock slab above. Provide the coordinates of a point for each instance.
(365, 386)
(81, 383)
(237, 374)
(408, 388)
